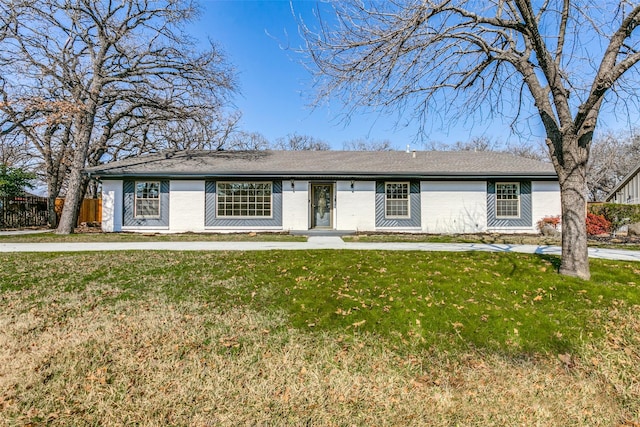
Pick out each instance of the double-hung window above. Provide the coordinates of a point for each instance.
(397, 200)
(508, 200)
(244, 199)
(147, 199)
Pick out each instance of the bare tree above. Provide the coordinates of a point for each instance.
(479, 143)
(251, 141)
(43, 128)
(529, 151)
(560, 58)
(535, 151)
(297, 142)
(368, 145)
(123, 71)
(209, 131)
(13, 151)
(613, 156)
(152, 133)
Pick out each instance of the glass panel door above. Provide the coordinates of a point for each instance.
(321, 205)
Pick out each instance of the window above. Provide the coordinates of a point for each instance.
(243, 199)
(507, 200)
(396, 200)
(147, 200)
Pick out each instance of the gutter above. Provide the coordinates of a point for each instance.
(341, 176)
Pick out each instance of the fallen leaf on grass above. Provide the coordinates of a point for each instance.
(566, 359)
(229, 342)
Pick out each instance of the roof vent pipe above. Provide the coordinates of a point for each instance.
(413, 154)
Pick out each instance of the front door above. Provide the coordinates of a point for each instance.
(321, 205)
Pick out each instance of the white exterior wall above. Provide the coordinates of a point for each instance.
(186, 206)
(454, 207)
(629, 193)
(295, 205)
(446, 207)
(112, 203)
(545, 200)
(356, 208)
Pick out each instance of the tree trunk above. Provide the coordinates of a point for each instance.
(575, 255)
(51, 208)
(53, 191)
(68, 218)
(75, 191)
(83, 193)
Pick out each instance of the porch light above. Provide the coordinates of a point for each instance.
(352, 186)
(293, 184)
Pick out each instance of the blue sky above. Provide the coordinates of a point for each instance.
(276, 90)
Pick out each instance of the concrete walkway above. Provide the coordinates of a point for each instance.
(313, 243)
(24, 231)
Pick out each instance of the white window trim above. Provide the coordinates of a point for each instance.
(244, 216)
(408, 199)
(135, 200)
(517, 184)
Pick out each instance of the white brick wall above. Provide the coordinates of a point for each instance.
(186, 206)
(447, 207)
(356, 207)
(454, 207)
(545, 201)
(295, 205)
(112, 201)
(545, 198)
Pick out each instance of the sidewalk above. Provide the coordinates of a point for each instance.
(313, 243)
(24, 231)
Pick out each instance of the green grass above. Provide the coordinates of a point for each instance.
(316, 338)
(510, 303)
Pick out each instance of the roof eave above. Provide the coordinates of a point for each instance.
(328, 175)
(622, 183)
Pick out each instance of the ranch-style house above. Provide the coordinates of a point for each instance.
(350, 191)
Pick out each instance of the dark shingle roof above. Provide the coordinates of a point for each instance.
(298, 164)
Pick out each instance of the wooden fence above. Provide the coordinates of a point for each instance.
(23, 211)
(90, 211)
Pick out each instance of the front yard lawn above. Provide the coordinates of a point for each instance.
(316, 338)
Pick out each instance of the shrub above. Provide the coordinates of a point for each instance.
(550, 221)
(617, 214)
(597, 224)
